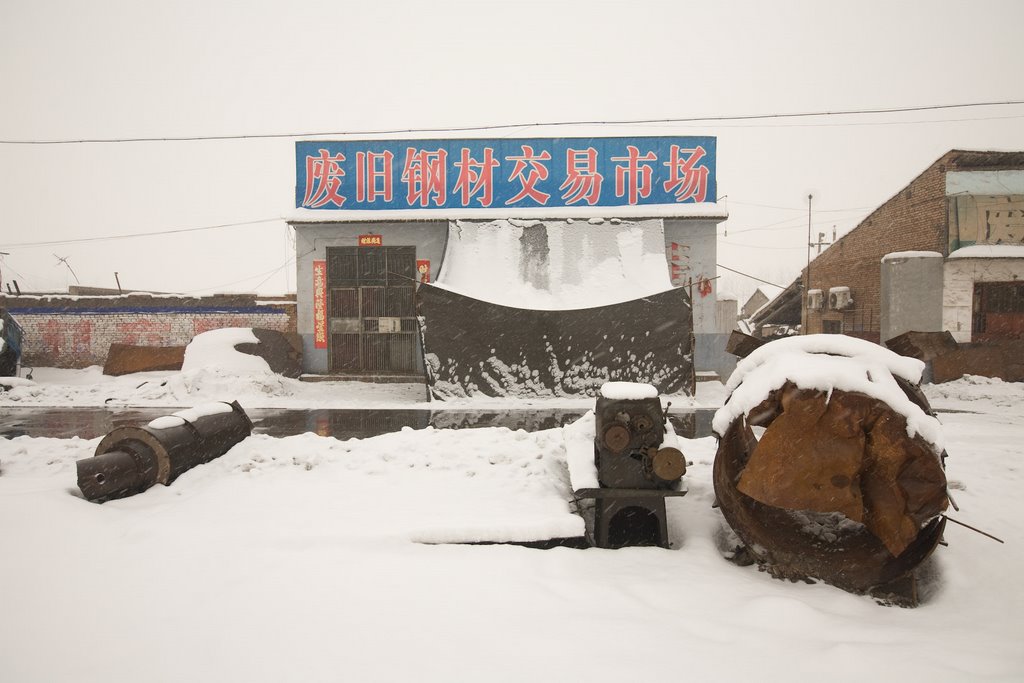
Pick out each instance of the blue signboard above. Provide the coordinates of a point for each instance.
(504, 173)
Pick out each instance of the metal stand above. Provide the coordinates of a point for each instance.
(629, 517)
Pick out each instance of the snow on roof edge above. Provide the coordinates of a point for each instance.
(711, 210)
(989, 251)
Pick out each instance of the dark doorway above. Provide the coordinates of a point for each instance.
(371, 309)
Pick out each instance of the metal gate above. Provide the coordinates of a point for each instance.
(998, 311)
(371, 309)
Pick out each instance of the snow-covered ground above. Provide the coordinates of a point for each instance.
(309, 558)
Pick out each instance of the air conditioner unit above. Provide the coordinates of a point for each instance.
(839, 298)
(815, 299)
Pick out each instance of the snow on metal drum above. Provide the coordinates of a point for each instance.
(830, 465)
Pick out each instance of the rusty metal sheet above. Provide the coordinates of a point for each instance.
(476, 347)
(124, 359)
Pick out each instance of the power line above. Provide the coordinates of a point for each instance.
(758, 246)
(269, 273)
(139, 234)
(915, 122)
(747, 274)
(796, 208)
(500, 126)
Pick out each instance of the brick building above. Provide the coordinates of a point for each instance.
(946, 252)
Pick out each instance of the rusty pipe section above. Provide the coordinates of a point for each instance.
(130, 460)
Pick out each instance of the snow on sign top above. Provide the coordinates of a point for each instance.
(826, 362)
(619, 391)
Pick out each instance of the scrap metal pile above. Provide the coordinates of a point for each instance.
(830, 464)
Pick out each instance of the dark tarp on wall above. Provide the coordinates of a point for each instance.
(473, 347)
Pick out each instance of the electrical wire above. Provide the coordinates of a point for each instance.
(748, 275)
(139, 234)
(502, 126)
(269, 273)
(758, 246)
(802, 208)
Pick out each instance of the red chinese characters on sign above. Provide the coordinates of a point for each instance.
(685, 178)
(634, 177)
(323, 180)
(371, 241)
(528, 179)
(373, 176)
(425, 174)
(320, 304)
(582, 181)
(381, 175)
(475, 177)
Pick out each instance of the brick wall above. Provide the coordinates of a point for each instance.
(76, 331)
(912, 220)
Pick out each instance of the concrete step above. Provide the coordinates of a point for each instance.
(363, 377)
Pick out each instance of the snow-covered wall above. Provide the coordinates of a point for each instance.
(959, 276)
(556, 264)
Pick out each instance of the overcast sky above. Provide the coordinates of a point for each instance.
(73, 70)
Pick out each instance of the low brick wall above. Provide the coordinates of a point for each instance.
(77, 331)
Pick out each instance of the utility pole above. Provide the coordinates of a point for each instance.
(807, 272)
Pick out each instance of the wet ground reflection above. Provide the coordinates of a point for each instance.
(360, 423)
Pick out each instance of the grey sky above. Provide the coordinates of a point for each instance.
(72, 70)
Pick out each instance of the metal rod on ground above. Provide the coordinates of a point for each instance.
(973, 529)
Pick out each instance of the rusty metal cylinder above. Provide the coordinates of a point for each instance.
(130, 460)
(836, 475)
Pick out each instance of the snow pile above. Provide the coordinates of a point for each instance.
(214, 368)
(433, 486)
(216, 349)
(579, 452)
(555, 265)
(191, 415)
(293, 559)
(12, 382)
(826, 362)
(628, 391)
